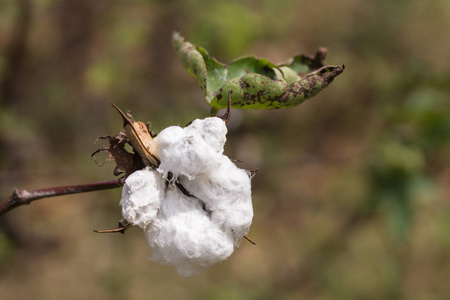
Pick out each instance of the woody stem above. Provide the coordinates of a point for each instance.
(22, 197)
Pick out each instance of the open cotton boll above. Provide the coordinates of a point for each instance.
(184, 236)
(199, 223)
(185, 151)
(141, 197)
(226, 192)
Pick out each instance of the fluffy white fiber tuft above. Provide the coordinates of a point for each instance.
(141, 197)
(193, 232)
(185, 237)
(189, 151)
(226, 192)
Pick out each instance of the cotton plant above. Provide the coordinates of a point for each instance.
(192, 202)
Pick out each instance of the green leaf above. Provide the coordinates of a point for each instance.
(256, 83)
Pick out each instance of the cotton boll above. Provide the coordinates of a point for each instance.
(141, 197)
(212, 130)
(184, 236)
(182, 152)
(193, 232)
(226, 192)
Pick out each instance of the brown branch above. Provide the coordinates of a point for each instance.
(22, 197)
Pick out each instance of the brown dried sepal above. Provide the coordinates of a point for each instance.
(123, 225)
(126, 162)
(140, 138)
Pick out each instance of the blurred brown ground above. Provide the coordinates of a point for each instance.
(352, 194)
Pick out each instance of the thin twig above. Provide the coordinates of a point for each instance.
(22, 197)
(248, 239)
(123, 225)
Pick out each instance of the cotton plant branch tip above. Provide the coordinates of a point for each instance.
(195, 208)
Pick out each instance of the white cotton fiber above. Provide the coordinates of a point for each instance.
(226, 191)
(141, 197)
(202, 225)
(212, 130)
(185, 151)
(185, 237)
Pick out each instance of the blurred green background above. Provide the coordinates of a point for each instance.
(351, 197)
